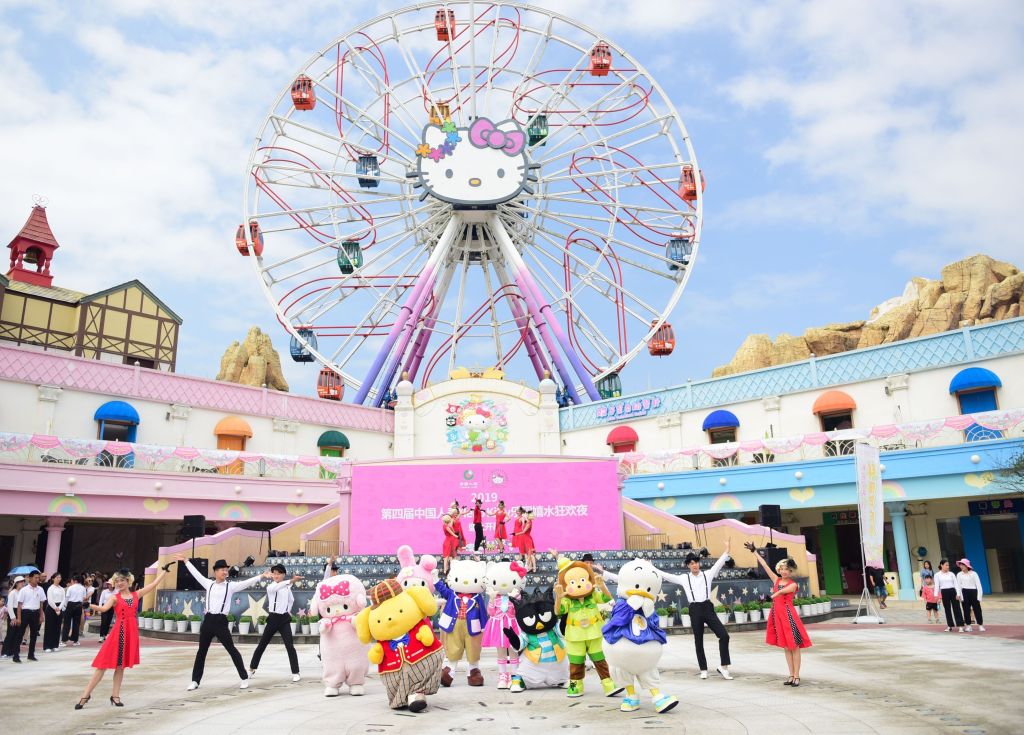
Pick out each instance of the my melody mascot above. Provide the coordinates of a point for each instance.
(544, 662)
(422, 574)
(337, 600)
(504, 583)
(407, 653)
(633, 642)
(578, 592)
(463, 618)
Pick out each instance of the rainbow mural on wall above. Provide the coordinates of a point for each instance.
(64, 505)
(893, 491)
(725, 503)
(234, 511)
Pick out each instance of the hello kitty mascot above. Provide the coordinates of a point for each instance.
(504, 585)
(337, 600)
(422, 574)
(478, 422)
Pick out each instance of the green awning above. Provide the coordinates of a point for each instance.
(332, 439)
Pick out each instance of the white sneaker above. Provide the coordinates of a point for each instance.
(703, 675)
(244, 684)
(968, 628)
(725, 673)
(192, 686)
(961, 630)
(948, 629)
(981, 628)
(296, 677)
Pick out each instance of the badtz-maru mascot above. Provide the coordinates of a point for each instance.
(407, 653)
(633, 640)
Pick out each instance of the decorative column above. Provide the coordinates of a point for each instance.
(550, 435)
(54, 529)
(898, 516)
(405, 421)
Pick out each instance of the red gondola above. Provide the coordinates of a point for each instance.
(240, 242)
(600, 59)
(688, 184)
(303, 96)
(257, 238)
(445, 31)
(663, 341)
(330, 385)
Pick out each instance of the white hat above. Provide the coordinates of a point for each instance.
(19, 578)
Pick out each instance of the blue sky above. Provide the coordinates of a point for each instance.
(847, 146)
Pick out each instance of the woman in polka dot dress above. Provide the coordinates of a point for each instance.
(785, 629)
(120, 650)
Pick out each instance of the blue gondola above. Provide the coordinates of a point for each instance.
(367, 167)
(679, 250)
(299, 351)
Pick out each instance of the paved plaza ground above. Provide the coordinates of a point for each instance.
(902, 677)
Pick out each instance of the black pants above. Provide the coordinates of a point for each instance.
(72, 622)
(216, 626)
(51, 634)
(969, 603)
(276, 623)
(952, 608)
(105, 620)
(478, 529)
(14, 633)
(701, 613)
(30, 620)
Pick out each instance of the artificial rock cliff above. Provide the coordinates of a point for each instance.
(976, 290)
(253, 361)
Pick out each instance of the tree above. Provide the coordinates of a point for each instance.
(1012, 475)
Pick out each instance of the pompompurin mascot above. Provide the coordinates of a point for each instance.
(633, 640)
(577, 594)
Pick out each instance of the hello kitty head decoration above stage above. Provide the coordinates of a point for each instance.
(479, 166)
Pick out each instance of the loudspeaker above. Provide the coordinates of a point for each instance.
(773, 555)
(770, 515)
(185, 580)
(195, 526)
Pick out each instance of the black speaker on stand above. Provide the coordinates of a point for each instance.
(770, 515)
(194, 527)
(186, 581)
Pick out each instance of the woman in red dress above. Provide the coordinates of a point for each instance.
(451, 541)
(500, 533)
(523, 538)
(785, 629)
(120, 650)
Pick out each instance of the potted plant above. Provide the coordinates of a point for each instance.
(295, 624)
(261, 623)
(195, 621)
(314, 624)
(819, 606)
(672, 610)
(723, 613)
(144, 619)
(662, 617)
(154, 618)
(740, 612)
(754, 611)
(827, 602)
(686, 617)
(243, 624)
(170, 622)
(181, 623)
(304, 624)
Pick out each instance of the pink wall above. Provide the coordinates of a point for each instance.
(40, 490)
(577, 502)
(93, 376)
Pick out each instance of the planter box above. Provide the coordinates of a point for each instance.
(243, 628)
(724, 617)
(828, 606)
(755, 616)
(181, 625)
(741, 616)
(261, 627)
(295, 628)
(194, 625)
(305, 629)
(663, 621)
(145, 623)
(169, 626)
(686, 621)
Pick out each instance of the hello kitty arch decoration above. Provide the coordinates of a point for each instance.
(477, 426)
(483, 164)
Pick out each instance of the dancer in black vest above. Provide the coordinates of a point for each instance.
(697, 586)
(215, 618)
(279, 620)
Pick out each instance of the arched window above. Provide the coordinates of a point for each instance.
(834, 410)
(231, 433)
(116, 421)
(331, 444)
(975, 391)
(721, 426)
(622, 439)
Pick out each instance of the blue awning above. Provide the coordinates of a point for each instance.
(973, 378)
(117, 411)
(720, 419)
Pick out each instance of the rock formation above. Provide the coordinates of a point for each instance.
(253, 362)
(976, 290)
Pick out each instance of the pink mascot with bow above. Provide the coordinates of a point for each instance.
(337, 600)
(423, 574)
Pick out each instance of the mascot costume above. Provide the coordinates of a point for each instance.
(337, 600)
(504, 583)
(463, 618)
(423, 573)
(543, 661)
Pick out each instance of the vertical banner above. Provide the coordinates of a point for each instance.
(869, 503)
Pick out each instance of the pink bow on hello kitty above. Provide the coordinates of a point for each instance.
(518, 568)
(339, 589)
(483, 134)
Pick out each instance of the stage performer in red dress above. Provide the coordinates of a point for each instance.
(785, 629)
(120, 650)
(500, 516)
(526, 546)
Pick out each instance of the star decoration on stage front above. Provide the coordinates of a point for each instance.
(186, 609)
(256, 609)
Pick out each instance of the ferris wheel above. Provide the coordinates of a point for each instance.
(472, 188)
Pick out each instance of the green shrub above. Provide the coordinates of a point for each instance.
(194, 618)
(721, 608)
(662, 612)
(245, 619)
(262, 620)
(686, 611)
(304, 620)
(231, 618)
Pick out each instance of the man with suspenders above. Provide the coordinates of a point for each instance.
(215, 617)
(279, 620)
(697, 586)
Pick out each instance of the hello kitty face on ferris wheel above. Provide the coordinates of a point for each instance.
(483, 164)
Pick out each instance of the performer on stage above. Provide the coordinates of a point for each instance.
(500, 515)
(450, 550)
(697, 586)
(785, 629)
(522, 538)
(120, 650)
(279, 620)
(478, 525)
(215, 618)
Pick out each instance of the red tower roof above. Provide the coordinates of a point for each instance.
(33, 246)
